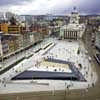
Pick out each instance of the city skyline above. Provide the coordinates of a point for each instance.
(35, 7)
(49, 49)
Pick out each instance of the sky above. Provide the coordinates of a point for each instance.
(35, 7)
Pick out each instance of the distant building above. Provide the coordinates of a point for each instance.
(97, 41)
(14, 29)
(8, 43)
(5, 16)
(93, 20)
(40, 27)
(4, 48)
(20, 18)
(73, 30)
(54, 30)
(4, 27)
(83, 19)
(35, 37)
(17, 36)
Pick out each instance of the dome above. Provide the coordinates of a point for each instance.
(74, 10)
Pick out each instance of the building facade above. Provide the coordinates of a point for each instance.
(4, 27)
(97, 41)
(8, 43)
(14, 29)
(73, 30)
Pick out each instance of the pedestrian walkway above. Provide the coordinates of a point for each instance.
(64, 50)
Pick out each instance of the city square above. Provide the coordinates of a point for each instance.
(49, 50)
(61, 46)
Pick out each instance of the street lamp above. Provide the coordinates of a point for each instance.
(2, 61)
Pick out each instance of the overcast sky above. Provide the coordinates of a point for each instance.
(50, 6)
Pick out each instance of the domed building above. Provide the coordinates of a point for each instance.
(73, 30)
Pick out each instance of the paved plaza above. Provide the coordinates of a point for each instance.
(64, 50)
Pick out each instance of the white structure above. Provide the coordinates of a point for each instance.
(73, 30)
(3, 16)
(97, 42)
(6, 15)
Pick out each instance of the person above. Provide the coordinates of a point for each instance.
(86, 73)
(88, 85)
(91, 74)
(16, 71)
(86, 90)
(0, 81)
(4, 84)
(67, 86)
(92, 84)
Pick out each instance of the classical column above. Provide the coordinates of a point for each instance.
(68, 34)
(72, 34)
(76, 34)
(64, 34)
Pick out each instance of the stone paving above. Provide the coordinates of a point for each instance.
(63, 50)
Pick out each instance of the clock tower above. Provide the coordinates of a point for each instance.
(74, 18)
